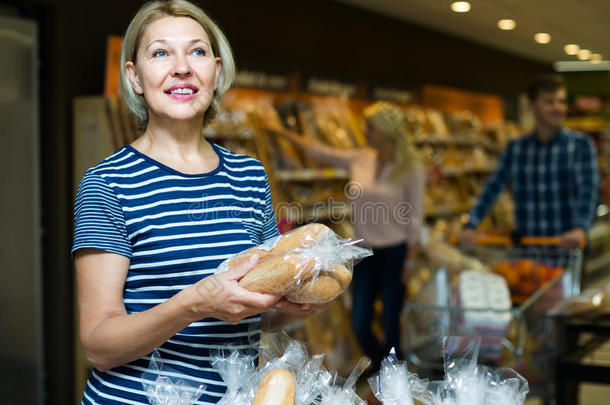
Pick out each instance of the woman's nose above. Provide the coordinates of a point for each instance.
(181, 66)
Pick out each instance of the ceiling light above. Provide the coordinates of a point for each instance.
(571, 49)
(584, 54)
(460, 6)
(542, 38)
(506, 24)
(596, 57)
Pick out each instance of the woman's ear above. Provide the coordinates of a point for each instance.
(132, 75)
(218, 69)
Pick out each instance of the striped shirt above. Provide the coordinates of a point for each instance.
(555, 185)
(176, 229)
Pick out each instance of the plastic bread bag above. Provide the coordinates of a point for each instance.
(287, 383)
(345, 394)
(308, 265)
(467, 383)
(307, 372)
(288, 376)
(238, 371)
(394, 385)
(164, 388)
(462, 376)
(506, 387)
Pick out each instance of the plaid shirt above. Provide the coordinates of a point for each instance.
(555, 185)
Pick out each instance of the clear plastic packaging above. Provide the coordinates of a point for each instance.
(313, 383)
(345, 394)
(163, 388)
(394, 385)
(466, 382)
(238, 371)
(308, 265)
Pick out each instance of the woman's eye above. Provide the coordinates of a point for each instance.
(199, 52)
(158, 54)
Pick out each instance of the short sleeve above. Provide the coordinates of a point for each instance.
(99, 222)
(270, 229)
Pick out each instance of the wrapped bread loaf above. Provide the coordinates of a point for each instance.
(307, 265)
(277, 388)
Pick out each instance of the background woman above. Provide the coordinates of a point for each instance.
(387, 188)
(155, 219)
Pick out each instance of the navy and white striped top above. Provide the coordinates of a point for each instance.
(176, 229)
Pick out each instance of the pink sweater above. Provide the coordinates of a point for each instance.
(383, 214)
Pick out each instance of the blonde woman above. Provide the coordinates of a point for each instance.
(155, 219)
(386, 187)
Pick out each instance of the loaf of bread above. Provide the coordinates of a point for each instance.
(276, 274)
(340, 273)
(277, 388)
(284, 265)
(316, 290)
(306, 265)
(299, 238)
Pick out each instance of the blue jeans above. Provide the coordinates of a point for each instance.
(379, 274)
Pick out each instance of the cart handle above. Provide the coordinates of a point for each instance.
(503, 240)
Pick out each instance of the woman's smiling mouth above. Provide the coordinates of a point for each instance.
(182, 92)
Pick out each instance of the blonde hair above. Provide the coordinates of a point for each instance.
(391, 121)
(153, 11)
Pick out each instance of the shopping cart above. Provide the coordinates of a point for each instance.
(518, 336)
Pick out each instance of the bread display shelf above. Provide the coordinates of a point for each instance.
(229, 133)
(460, 171)
(327, 173)
(456, 140)
(317, 213)
(436, 212)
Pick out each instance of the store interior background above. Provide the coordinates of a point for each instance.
(324, 39)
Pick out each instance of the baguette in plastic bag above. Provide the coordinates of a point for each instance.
(308, 265)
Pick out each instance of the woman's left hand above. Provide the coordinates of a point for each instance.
(285, 312)
(299, 310)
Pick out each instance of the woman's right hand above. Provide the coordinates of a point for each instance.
(220, 296)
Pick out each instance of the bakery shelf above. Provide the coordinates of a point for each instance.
(600, 262)
(315, 213)
(447, 211)
(229, 133)
(458, 140)
(460, 171)
(304, 175)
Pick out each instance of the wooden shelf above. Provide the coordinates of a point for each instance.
(306, 175)
(228, 133)
(298, 214)
(447, 211)
(457, 140)
(459, 171)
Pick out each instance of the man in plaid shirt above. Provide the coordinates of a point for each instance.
(552, 171)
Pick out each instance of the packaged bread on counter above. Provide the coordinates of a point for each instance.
(288, 376)
(308, 265)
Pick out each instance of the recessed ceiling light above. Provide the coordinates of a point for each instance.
(460, 6)
(596, 57)
(571, 49)
(506, 24)
(542, 38)
(584, 54)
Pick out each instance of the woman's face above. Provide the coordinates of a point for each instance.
(175, 69)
